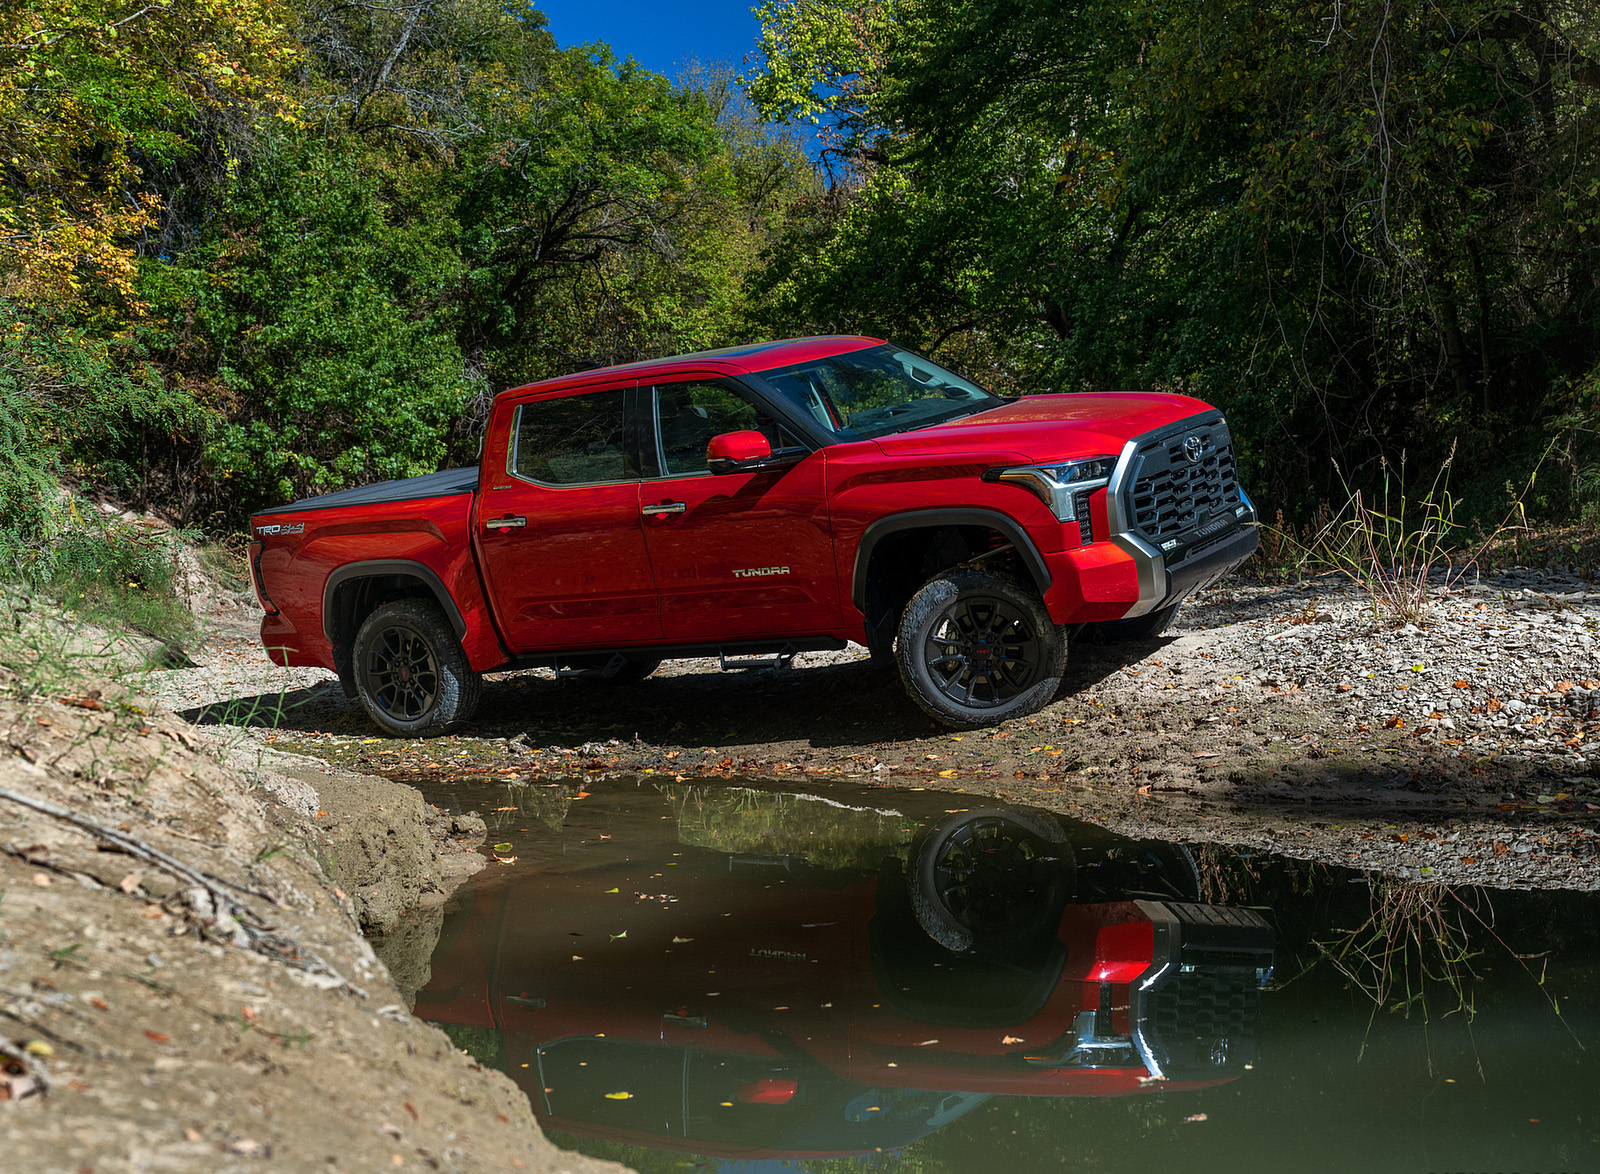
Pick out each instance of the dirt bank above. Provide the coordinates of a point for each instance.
(182, 987)
(1462, 748)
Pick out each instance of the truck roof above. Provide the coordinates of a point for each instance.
(731, 360)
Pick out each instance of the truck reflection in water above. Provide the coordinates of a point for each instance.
(738, 1006)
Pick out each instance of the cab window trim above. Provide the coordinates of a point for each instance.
(628, 393)
(648, 405)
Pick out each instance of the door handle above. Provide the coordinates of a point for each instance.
(505, 523)
(670, 507)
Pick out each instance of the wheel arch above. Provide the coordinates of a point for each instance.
(881, 583)
(355, 590)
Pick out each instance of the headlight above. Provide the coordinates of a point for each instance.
(1064, 487)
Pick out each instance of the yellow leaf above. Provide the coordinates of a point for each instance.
(619, 1096)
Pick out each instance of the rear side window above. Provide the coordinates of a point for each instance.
(575, 440)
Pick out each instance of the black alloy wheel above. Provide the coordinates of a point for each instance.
(401, 672)
(411, 675)
(977, 648)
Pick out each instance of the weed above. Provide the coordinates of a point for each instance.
(66, 954)
(1400, 549)
(277, 848)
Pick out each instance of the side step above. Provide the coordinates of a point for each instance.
(743, 662)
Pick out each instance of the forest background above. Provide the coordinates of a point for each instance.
(258, 249)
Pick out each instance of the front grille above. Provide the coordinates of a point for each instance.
(1185, 486)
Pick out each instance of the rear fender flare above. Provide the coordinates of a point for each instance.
(404, 568)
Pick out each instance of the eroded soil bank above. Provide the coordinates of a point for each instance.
(1461, 748)
(184, 984)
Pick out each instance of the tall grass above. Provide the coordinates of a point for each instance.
(1401, 548)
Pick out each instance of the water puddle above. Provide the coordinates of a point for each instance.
(729, 977)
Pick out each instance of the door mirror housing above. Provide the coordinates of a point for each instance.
(745, 452)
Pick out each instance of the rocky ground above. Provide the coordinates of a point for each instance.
(188, 858)
(1297, 717)
(184, 981)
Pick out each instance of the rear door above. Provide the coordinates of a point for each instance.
(735, 555)
(558, 524)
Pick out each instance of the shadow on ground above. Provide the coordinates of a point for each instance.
(826, 706)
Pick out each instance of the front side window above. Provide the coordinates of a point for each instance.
(689, 414)
(876, 391)
(574, 440)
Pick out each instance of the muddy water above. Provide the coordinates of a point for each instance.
(690, 976)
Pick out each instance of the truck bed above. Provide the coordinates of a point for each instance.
(441, 484)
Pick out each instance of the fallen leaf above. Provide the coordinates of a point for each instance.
(623, 934)
(41, 880)
(160, 1037)
(130, 882)
(927, 1042)
(503, 847)
(619, 1096)
(1012, 1039)
(1196, 1117)
(944, 774)
(680, 941)
(1501, 849)
(1395, 723)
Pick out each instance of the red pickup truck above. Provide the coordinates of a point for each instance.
(765, 499)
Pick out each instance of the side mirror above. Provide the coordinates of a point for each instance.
(733, 452)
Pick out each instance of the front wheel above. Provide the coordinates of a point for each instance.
(976, 648)
(993, 880)
(411, 675)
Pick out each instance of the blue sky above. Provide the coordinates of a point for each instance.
(663, 36)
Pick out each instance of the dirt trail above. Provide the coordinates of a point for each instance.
(1462, 749)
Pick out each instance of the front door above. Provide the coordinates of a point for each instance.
(560, 531)
(736, 555)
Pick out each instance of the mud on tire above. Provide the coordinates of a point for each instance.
(411, 675)
(976, 648)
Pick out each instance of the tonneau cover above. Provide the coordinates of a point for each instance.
(441, 484)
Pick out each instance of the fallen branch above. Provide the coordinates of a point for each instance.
(206, 896)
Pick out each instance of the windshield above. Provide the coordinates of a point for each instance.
(877, 391)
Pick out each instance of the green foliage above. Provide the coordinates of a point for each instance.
(1360, 230)
(326, 321)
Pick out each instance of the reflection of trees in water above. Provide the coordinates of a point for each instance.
(763, 823)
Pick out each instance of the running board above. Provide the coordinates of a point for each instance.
(782, 659)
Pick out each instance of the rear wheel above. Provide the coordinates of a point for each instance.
(977, 648)
(410, 673)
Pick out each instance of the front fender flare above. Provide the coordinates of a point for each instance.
(933, 518)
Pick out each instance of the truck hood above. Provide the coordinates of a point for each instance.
(1051, 427)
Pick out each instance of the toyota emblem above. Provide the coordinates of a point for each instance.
(1193, 447)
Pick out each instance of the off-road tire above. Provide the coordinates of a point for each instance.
(976, 648)
(991, 881)
(410, 673)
